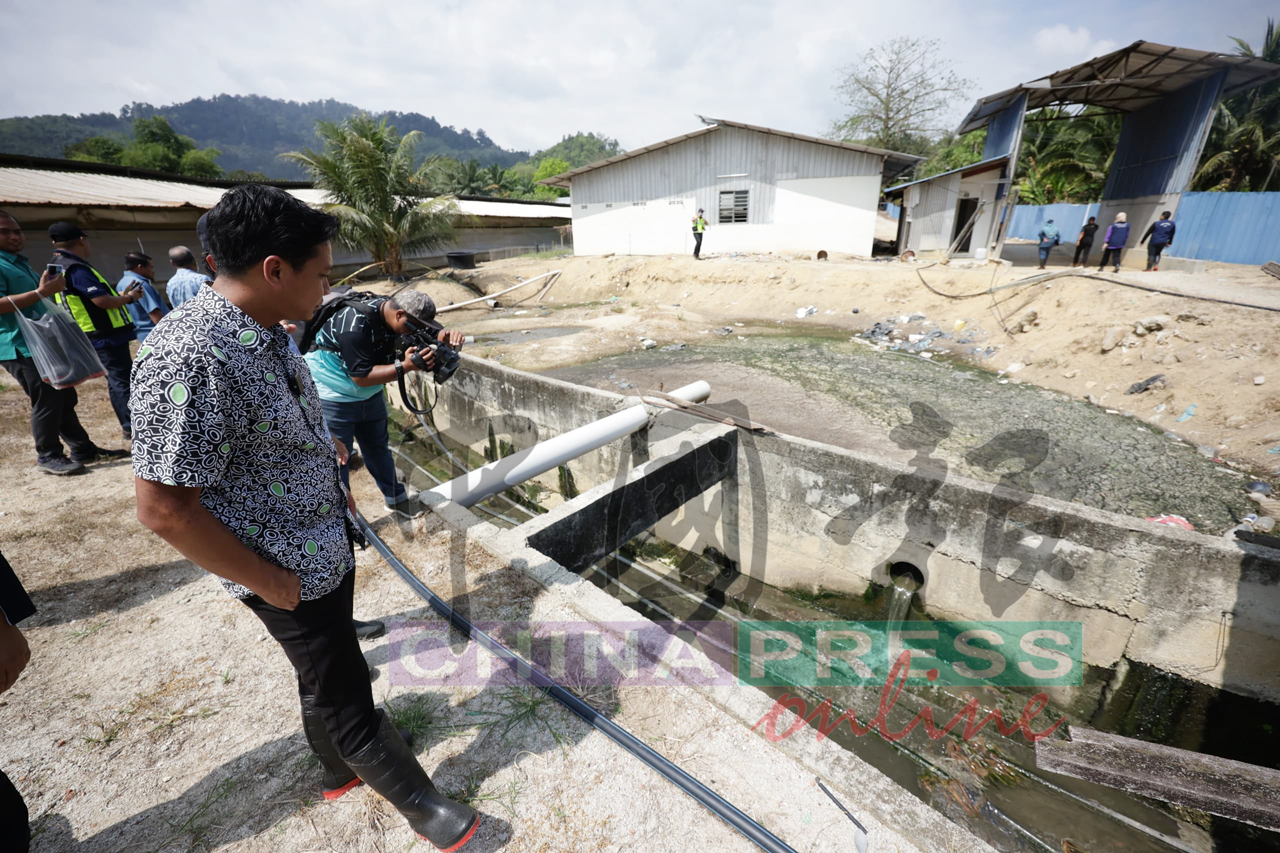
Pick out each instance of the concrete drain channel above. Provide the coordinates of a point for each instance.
(991, 785)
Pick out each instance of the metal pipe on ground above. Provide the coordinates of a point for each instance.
(475, 486)
(492, 297)
(719, 806)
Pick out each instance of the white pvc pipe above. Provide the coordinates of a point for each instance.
(457, 305)
(475, 486)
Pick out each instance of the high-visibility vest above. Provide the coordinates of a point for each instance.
(699, 224)
(74, 303)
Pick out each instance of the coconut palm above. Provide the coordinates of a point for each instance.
(1243, 150)
(383, 203)
(468, 179)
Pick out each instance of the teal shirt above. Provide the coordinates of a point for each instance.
(332, 381)
(16, 276)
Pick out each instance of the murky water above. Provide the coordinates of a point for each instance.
(989, 784)
(1106, 461)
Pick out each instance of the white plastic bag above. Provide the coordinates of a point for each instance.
(63, 353)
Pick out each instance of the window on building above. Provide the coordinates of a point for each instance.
(733, 206)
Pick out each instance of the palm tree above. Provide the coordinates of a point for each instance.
(468, 179)
(383, 203)
(497, 181)
(1243, 150)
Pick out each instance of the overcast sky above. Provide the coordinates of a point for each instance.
(530, 72)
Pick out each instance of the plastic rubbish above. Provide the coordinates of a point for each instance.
(1188, 414)
(1172, 521)
(1157, 381)
(1259, 487)
(806, 311)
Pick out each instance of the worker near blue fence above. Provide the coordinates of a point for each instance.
(699, 226)
(1084, 242)
(139, 272)
(1114, 240)
(1161, 233)
(233, 467)
(1049, 237)
(352, 359)
(100, 310)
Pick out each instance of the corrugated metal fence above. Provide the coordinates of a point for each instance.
(1029, 219)
(1236, 228)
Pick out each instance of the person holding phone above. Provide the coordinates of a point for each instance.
(138, 275)
(53, 410)
(100, 311)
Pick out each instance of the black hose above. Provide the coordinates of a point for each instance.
(722, 808)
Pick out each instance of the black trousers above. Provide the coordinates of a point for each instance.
(1111, 255)
(119, 364)
(1082, 254)
(53, 413)
(320, 642)
(697, 243)
(15, 831)
(1153, 254)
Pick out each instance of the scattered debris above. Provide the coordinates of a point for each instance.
(1173, 521)
(1031, 318)
(1188, 414)
(1237, 422)
(1271, 268)
(822, 255)
(855, 310)
(806, 312)
(648, 343)
(1014, 367)
(1070, 374)
(673, 347)
(1259, 487)
(1153, 383)
(1207, 450)
(1152, 324)
(1258, 380)
(1198, 319)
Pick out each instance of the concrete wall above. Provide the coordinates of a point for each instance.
(808, 515)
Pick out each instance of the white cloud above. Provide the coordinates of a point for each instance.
(1072, 45)
(530, 72)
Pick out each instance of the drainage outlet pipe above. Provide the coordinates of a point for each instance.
(474, 486)
(718, 805)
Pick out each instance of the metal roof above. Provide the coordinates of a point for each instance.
(82, 189)
(965, 171)
(900, 162)
(1128, 79)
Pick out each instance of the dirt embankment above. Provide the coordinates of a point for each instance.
(1221, 377)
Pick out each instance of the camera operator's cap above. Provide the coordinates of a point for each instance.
(419, 306)
(65, 232)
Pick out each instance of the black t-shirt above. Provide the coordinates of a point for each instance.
(1088, 231)
(360, 337)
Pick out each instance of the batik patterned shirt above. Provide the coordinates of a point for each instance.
(220, 403)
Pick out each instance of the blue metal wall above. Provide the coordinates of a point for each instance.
(1160, 144)
(1002, 132)
(1238, 228)
(1029, 219)
(893, 210)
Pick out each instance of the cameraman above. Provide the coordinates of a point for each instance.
(353, 357)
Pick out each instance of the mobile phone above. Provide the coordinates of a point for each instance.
(54, 269)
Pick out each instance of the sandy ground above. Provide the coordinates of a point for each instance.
(157, 715)
(1211, 355)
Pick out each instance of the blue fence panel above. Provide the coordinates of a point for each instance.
(1236, 228)
(1028, 219)
(893, 210)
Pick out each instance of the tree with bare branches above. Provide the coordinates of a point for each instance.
(898, 94)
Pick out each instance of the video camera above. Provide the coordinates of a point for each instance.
(423, 337)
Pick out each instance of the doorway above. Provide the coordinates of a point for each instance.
(964, 211)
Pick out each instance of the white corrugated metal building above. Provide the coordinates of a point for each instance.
(763, 190)
(124, 210)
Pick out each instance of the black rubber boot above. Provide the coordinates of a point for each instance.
(368, 630)
(338, 777)
(388, 766)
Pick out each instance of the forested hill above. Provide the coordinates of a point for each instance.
(250, 131)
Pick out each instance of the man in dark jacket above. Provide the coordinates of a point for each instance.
(1161, 234)
(100, 310)
(1084, 242)
(14, 655)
